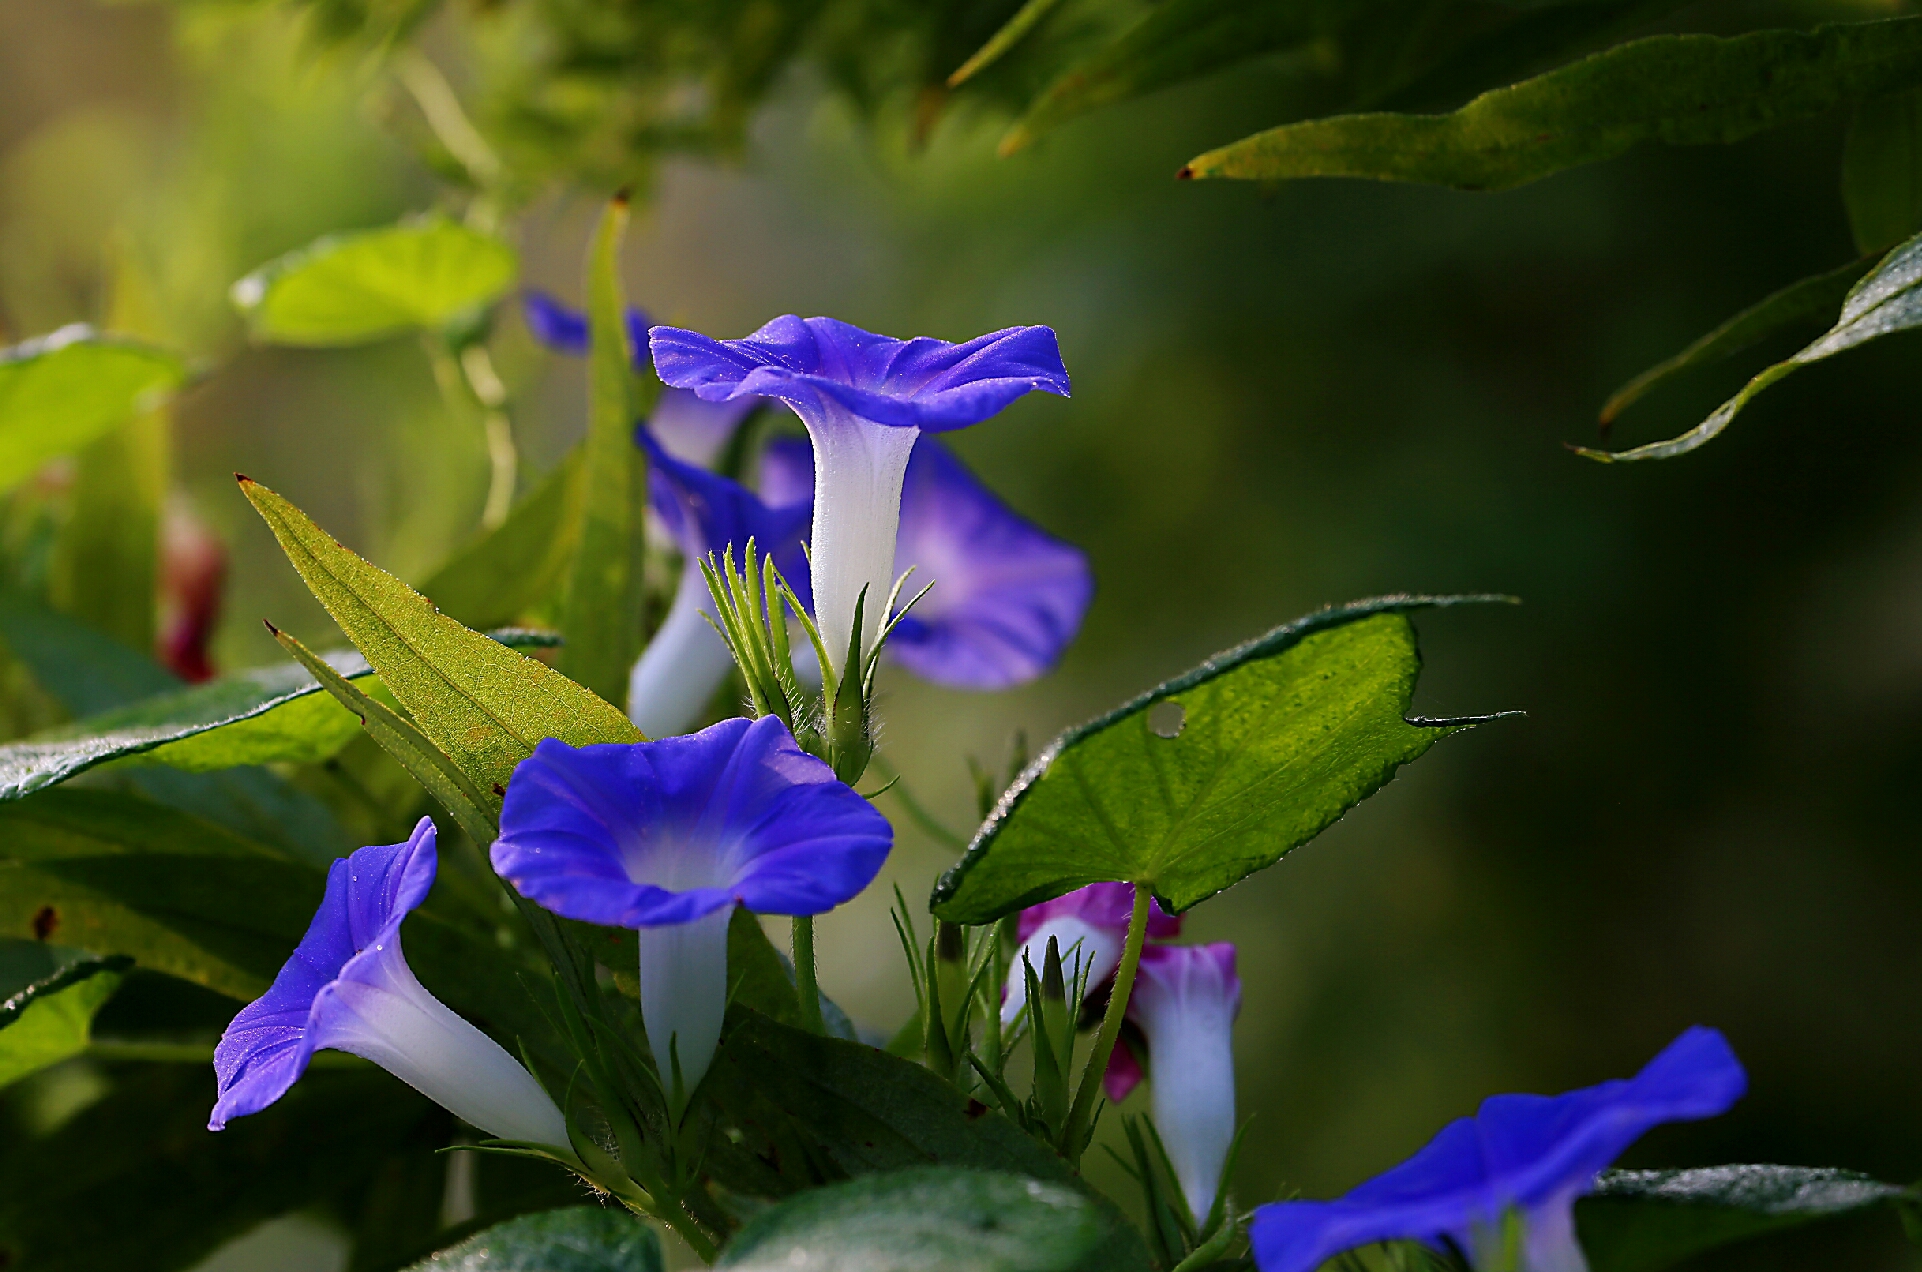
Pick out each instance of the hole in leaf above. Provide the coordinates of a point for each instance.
(1166, 718)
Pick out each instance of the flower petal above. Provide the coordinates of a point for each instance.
(818, 364)
(662, 832)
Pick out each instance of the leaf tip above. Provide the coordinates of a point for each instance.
(245, 480)
(1187, 172)
(622, 197)
(272, 630)
(1590, 452)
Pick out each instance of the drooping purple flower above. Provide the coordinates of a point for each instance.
(1089, 927)
(1007, 598)
(686, 427)
(864, 399)
(1185, 1000)
(1530, 1155)
(348, 988)
(666, 837)
(705, 513)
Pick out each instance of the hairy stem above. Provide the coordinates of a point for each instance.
(805, 987)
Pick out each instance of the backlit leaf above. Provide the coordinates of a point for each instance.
(59, 392)
(351, 288)
(49, 1020)
(1676, 89)
(482, 704)
(937, 1219)
(1646, 1220)
(1214, 775)
(1888, 300)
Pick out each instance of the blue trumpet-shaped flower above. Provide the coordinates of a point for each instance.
(1185, 1000)
(347, 988)
(1526, 1155)
(864, 398)
(1007, 598)
(686, 427)
(666, 837)
(705, 513)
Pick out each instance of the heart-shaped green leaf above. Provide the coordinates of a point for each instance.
(1214, 775)
(62, 391)
(352, 288)
(937, 1219)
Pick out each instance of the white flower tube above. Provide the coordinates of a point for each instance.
(1185, 1000)
(684, 993)
(858, 469)
(1084, 946)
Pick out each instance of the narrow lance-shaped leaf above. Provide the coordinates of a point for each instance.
(351, 288)
(482, 704)
(514, 567)
(1882, 171)
(602, 614)
(50, 1020)
(59, 392)
(1214, 775)
(1888, 300)
(1806, 300)
(1676, 89)
(939, 1219)
(1646, 1220)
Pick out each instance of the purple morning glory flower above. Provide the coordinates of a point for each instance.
(1530, 1154)
(1185, 1000)
(666, 837)
(348, 988)
(686, 427)
(1089, 924)
(705, 513)
(864, 399)
(1007, 597)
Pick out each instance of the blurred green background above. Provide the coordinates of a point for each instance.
(1283, 398)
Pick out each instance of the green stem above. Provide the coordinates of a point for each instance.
(805, 986)
(1104, 1041)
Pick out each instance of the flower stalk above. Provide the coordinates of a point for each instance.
(1080, 1128)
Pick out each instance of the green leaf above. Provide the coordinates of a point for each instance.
(938, 1219)
(119, 875)
(813, 1108)
(1645, 1220)
(1176, 40)
(1212, 776)
(482, 704)
(351, 288)
(602, 611)
(577, 1239)
(269, 714)
(1025, 19)
(1882, 171)
(1805, 301)
(505, 572)
(50, 1020)
(1888, 300)
(59, 392)
(1676, 89)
